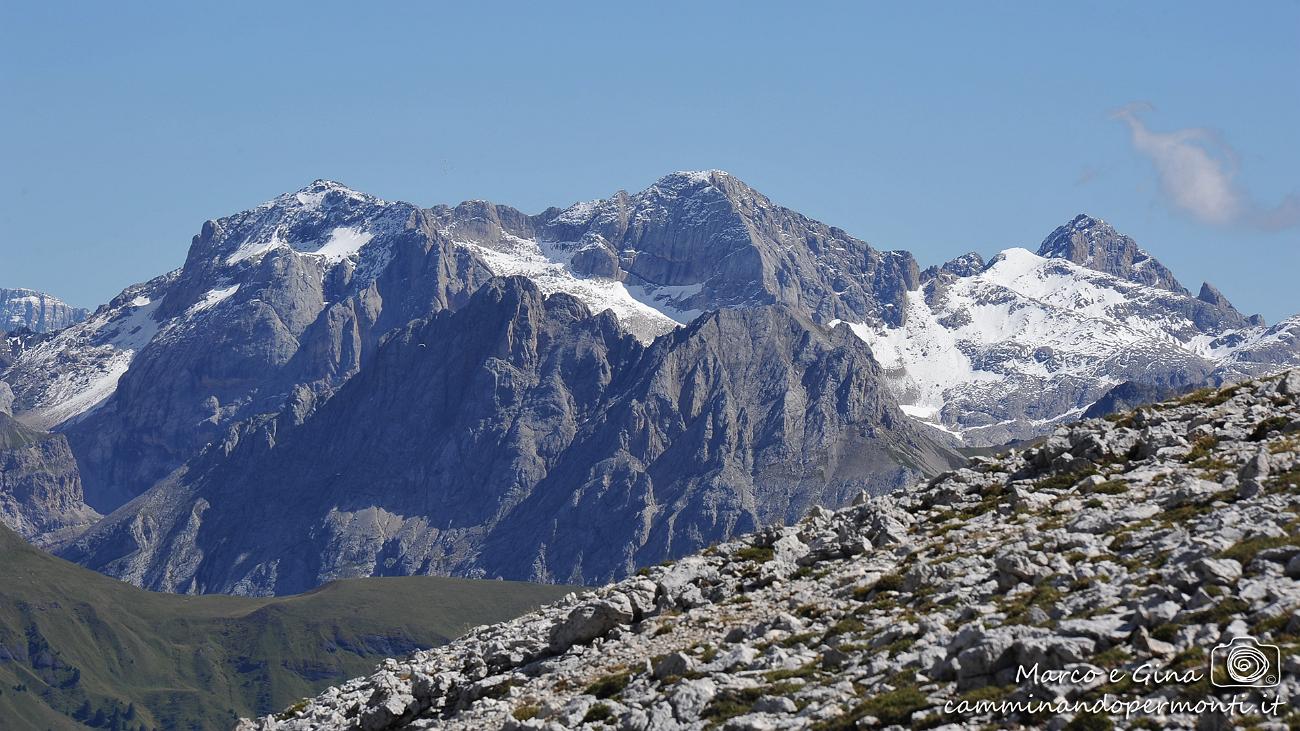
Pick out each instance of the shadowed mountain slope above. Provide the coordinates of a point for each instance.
(520, 436)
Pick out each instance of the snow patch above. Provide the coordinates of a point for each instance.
(547, 264)
(76, 399)
(212, 298)
(1025, 325)
(254, 249)
(343, 243)
(667, 299)
(577, 214)
(78, 370)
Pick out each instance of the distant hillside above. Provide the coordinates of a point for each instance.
(78, 649)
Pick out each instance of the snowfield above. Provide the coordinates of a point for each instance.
(1028, 324)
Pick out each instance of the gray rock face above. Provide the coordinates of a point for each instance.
(732, 247)
(36, 311)
(966, 265)
(1131, 394)
(486, 441)
(1095, 244)
(1013, 579)
(40, 489)
(1260, 350)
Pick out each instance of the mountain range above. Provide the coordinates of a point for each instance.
(571, 395)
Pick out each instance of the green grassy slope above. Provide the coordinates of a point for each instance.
(79, 649)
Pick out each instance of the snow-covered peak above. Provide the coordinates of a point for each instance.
(1014, 262)
(1031, 341)
(689, 183)
(578, 214)
(325, 220)
(690, 178)
(324, 192)
(692, 193)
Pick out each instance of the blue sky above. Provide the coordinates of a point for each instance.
(937, 128)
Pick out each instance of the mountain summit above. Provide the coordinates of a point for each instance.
(1095, 244)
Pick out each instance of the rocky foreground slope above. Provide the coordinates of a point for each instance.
(1114, 549)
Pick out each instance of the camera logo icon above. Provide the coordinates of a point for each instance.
(1245, 662)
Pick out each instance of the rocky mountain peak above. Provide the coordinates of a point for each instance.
(966, 265)
(321, 186)
(695, 179)
(702, 240)
(307, 221)
(1093, 243)
(706, 185)
(1211, 295)
(313, 230)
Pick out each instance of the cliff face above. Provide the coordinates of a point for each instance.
(36, 311)
(40, 488)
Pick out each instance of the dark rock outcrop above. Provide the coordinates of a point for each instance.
(1130, 395)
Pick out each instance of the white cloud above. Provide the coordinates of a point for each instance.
(1197, 172)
